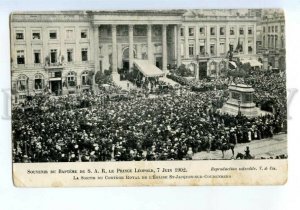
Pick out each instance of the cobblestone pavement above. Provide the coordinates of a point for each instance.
(266, 148)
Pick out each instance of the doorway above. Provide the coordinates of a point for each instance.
(158, 62)
(202, 70)
(56, 87)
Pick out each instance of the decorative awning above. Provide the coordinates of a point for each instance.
(252, 62)
(147, 68)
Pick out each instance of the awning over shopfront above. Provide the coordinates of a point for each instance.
(148, 69)
(252, 62)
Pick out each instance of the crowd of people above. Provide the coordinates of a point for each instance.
(90, 127)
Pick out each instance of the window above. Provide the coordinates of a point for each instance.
(250, 31)
(19, 35)
(84, 54)
(37, 56)
(222, 48)
(212, 49)
(69, 34)
(70, 55)
(231, 47)
(282, 29)
(241, 31)
(202, 50)
(276, 28)
(213, 67)
(231, 30)
(191, 31)
(84, 34)
(272, 28)
(269, 29)
(20, 57)
(122, 30)
(191, 50)
(22, 83)
(138, 30)
(250, 50)
(202, 31)
(241, 47)
(222, 31)
(53, 56)
(53, 34)
(85, 78)
(36, 35)
(264, 29)
(71, 79)
(38, 82)
(181, 31)
(212, 31)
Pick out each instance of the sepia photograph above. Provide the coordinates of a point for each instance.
(148, 85)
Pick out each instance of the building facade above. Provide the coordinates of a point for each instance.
(60, 52)
(273, 39)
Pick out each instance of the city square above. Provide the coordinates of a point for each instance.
(148, 85)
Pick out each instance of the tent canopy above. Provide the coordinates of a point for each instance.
(252, 62)
(147, 68)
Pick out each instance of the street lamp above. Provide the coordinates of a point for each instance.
(239, 110)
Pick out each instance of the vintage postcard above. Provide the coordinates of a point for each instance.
(148, 97)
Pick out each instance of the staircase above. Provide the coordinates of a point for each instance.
(124, 84)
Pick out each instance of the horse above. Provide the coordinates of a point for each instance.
(226, 146)
(244, 156)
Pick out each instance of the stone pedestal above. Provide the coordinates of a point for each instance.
(241, 102)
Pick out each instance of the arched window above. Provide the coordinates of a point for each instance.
(213, 67)
(85, 78)
(222, 65)
(22, 83)
(38, 82)
(71, 78)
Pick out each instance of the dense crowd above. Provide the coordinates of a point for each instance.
(90, 127)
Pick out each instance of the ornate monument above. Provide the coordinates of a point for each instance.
(240, 102)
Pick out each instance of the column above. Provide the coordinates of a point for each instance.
(186, 42)
(246, 39)
(139, 51)
(164, 46)
(254, 39)
(130, 35)
(114, 49)
(174, 42)
(207, 40)
(149, 44)
(227, 34)
(218, 41)
(62, 50)
(178, 46)
(96, 51)
(197, 46)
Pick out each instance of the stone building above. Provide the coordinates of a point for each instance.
(273, 39)
(60, 52)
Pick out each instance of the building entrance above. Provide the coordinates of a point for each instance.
(202, 70)
(158, 62)
(56, 87)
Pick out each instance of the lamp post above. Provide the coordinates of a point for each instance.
(239, 110)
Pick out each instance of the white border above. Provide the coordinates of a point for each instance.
(152, 198)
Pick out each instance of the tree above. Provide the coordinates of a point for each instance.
(183, 71)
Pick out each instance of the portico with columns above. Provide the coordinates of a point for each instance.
(150, 36)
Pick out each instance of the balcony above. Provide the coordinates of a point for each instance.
(56, 65)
